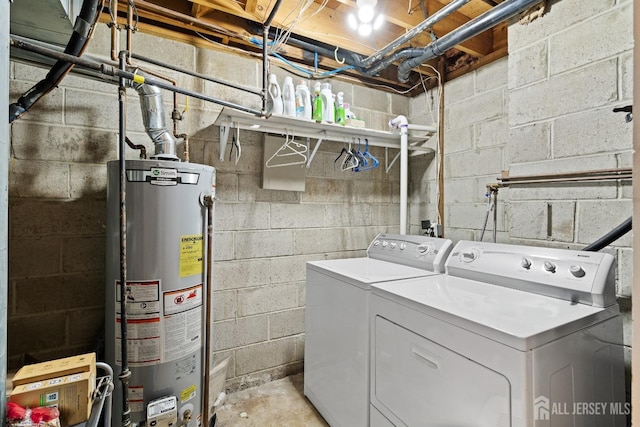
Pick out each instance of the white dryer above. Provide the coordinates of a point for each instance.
(336, 355)
(510, 336)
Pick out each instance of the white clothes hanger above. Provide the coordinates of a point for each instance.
(289, 148)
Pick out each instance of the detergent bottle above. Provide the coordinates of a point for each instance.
(303, 101)
(328, 114)
(318, 106)
(289, 97)
(274, 96)
(340, 110)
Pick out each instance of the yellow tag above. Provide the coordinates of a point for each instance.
(191, 255)
(138, 78)
(188, 393)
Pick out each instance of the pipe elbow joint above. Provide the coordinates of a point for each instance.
(398, 122)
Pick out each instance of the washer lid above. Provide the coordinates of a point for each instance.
(365, 271)
(519, 319)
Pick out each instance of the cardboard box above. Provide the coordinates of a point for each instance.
(72, 394)
(56, 368)
(358, 123)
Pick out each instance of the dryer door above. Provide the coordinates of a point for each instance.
(421, 383)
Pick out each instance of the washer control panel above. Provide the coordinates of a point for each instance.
(427, 253)
(577, 276)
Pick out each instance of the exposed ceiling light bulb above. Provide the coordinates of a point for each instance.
(353, 22)
(365, 13)
(364, 30)
(378, 22)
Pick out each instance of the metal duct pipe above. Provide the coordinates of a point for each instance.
(154, 119)
(474, 27)
(427, 23)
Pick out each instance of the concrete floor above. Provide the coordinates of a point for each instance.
(278, 403)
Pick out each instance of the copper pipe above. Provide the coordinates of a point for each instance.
(590, 173)
(209, 203)
(567, 179)
(114, 29)
(129, 28)
(185, 137)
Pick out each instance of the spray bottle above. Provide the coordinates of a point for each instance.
(303, 101)
(289, 97)
(274, 96)
(318, 107)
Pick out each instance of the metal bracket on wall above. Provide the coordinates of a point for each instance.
(224, 138)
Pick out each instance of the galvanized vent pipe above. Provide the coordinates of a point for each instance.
(474, 27)
(154, 119)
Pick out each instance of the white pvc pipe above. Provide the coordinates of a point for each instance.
(404, 177)
(401, 123)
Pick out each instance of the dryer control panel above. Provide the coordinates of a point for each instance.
(424, 252)
(577, 276)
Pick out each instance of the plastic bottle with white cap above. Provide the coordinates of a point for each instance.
(289, 97)
(274, 96)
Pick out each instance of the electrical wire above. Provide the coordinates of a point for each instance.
(486, 218)
(282, 35)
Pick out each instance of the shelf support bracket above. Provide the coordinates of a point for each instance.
(315, 150)
(224, 138)
(386, 160)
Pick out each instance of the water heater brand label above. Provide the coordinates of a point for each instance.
(191, 255)
(162, 176)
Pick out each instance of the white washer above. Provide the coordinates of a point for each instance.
(511, 336)
(336, 354)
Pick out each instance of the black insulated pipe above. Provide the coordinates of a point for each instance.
(82, 30)
(486, 21)
(611, 236)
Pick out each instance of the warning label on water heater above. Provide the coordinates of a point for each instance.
(191, 255)
(182, 322)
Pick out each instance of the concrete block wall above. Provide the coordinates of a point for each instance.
(547, 108)
(263, 237)
(581, 56)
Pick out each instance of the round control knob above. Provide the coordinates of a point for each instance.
(577, 271)
(469, 256)
(376, 242)
(424, 249)
(384, 243)
(549, 266)
(403, 246)
(525, 263)
(393, 245)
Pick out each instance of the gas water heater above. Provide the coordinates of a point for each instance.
(165, 289)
